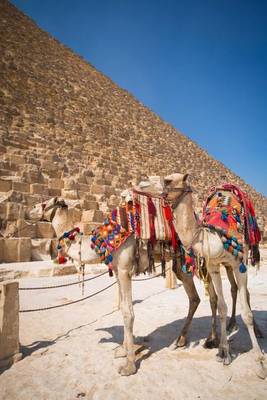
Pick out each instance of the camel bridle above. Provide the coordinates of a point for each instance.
(184, 191)
(54, 207)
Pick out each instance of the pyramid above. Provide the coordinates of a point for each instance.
(67, 130)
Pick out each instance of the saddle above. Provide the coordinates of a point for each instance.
(229, 211)
(149, 218)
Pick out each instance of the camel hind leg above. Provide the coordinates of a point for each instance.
(224, 353)
(232, 325)
(194, 301)
(212, 341)
(241, 280)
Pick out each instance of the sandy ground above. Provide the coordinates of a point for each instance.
(69, 351)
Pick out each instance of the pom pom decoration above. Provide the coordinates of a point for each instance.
(242, 268)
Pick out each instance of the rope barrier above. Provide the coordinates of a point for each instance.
(75, 283)
(147, 279)
(63, 285)
(69, 303)
(79, 282)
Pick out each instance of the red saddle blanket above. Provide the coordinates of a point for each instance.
(230, 211)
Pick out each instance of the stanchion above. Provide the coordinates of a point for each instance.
(9, 324)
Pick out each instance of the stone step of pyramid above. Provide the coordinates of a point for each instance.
(79, 136)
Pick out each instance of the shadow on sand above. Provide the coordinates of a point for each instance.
(165, 335)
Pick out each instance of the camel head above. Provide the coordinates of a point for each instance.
(45, 211)
(175, 185)
(151, 184)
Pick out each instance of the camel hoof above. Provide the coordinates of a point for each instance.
(128, 369)
(120, 352)
(261, 371)
(181, 341)
(224, 357)
(211, 343)
(227, 359)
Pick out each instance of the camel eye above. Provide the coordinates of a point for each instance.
(167, 182)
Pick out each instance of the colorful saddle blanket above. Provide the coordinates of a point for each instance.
(148, 217)
(229, 210)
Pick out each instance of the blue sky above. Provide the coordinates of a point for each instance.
(199, 64)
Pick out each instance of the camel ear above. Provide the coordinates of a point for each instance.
(185, 177)
(55, 200)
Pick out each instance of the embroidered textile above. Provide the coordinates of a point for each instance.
(117, 227)
(229, 210)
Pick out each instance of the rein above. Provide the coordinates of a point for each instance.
(54, 207)
(180, 197)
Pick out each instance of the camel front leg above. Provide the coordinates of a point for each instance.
(125, 285)
(223, 354)
(212, 340)
(246, 313)
(194, 301)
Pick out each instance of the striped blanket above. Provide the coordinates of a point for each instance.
(148, 217)
(154, 218)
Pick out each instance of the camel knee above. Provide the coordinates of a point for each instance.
(213, 302)
(247, 318)
(195, 301)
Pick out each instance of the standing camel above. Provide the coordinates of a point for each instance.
(208, 244)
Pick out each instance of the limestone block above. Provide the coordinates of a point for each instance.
(97, 189)
(54, 183)
(54, 192)
(21, 186)
(48, 165)
(2, 210)
(44, 230)
(5, 185)
(83, 187)
(26, 229)
(75, 214)
(41, 249)
(16, 249)
(2, 149)
(70, 184)
(90, 205)
(17, 159)
(69, 194)
(87, 228)
(114, 201)
(31, 200)
(38, 188)
(9, 324)
(14, 211)
(92, 216)
(86, 196)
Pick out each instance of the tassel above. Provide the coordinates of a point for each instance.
(184, 269)
(242, 268)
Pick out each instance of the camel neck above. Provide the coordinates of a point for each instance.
(184, 220)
